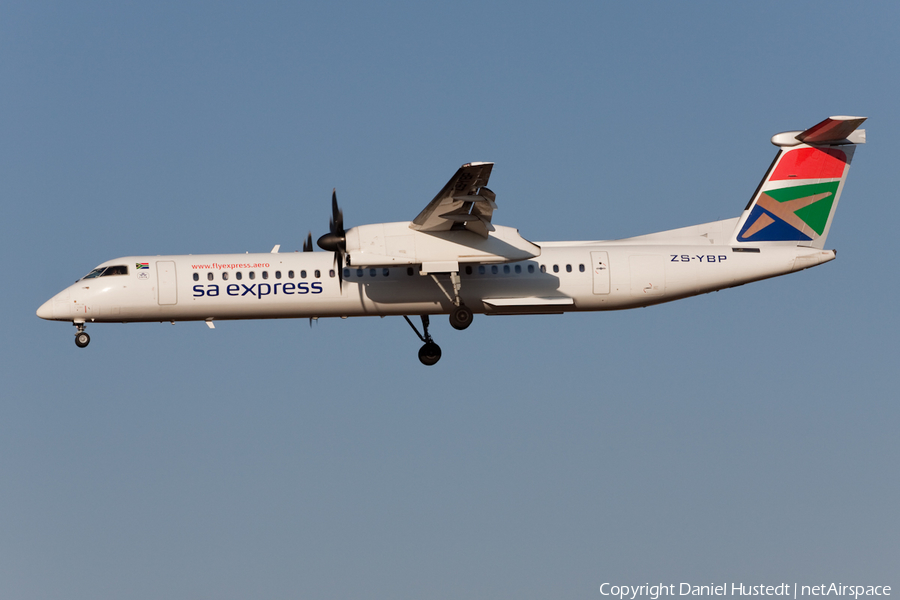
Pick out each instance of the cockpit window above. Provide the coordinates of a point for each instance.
(105, 271)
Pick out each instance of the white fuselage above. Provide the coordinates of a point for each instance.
(453, 259)
(566, 276)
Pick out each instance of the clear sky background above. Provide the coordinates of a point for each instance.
(746, 436)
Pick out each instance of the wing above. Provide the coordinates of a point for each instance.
(464, 203)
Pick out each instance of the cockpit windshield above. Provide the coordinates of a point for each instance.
(106, 271)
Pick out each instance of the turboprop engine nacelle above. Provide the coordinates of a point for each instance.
(391, 244)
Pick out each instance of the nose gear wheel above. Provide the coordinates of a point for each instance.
(82, 339)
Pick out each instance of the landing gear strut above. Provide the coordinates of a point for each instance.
(81, 338)
(430, 352)
(461, 315)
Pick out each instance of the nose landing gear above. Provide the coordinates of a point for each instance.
(82, 339)
(430, 352)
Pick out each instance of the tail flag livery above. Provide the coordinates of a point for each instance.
(795, 202)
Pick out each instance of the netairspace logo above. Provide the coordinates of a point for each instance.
(654, 592)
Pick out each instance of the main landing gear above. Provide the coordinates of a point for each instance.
(430, 352)
(461, 317)
(81, 338)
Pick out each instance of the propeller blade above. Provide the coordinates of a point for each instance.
(307, 245)
(335, 240)
(337, 216)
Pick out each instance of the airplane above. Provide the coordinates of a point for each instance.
(453, 260)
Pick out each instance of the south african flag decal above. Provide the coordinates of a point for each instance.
(799, 209)
(142, 265)
(795, 213)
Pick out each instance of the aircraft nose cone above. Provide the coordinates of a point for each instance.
(46, 310)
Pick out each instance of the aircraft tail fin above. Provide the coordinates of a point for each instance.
(796, 200)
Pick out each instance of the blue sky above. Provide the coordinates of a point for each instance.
(746, 435)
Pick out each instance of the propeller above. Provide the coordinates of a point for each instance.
(307, 244)
(335, 240)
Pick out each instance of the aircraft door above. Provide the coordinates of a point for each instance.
(600, 267)
(166, 282)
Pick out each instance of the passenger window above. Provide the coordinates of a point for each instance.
(372, 272)
(468, 270)
(543, 268)
(409, 270)
(494, 269)
(581, 268)
(556, 268)
(318, 274)
(481, 269)
(346, 273)
(385, 272)
(568, 268)
(265, 274)
(252, 275)
(225, 276)
(196, 277)
(331, 272)
(531, 268)
(518, 268)
(209, 276)
(506, 269)
(303, 274)
(277, 274)
(238, 275)
(290, 274)
(359, 272)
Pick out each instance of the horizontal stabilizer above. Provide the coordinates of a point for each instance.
(831, 130)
